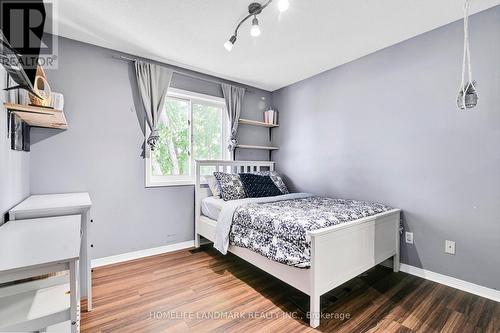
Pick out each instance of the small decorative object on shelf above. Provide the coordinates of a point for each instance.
(271, 117)
(42, 89)
(57, 101)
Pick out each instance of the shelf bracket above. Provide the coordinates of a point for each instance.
(9, 114)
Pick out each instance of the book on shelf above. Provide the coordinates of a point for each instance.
(271, 117)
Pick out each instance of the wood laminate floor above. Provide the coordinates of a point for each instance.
(203, 291)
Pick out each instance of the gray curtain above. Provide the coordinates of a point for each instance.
(234, 100)
(153, 81)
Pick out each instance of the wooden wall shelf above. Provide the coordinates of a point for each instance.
(39, 116)
(260, 124)
(256, 123)
(256, 147)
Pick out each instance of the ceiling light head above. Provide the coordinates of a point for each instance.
(228, 45)
(255, 30)
(283, 5)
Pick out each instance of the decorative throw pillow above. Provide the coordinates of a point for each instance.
(257, 186)
(276, 178)
(214, 185)
(230, 186)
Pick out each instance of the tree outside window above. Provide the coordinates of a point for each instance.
(190, 128)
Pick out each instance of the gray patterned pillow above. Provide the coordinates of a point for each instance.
(276, 177)
(230, 186)
(213, 184)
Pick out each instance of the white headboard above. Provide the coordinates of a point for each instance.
(201, 190)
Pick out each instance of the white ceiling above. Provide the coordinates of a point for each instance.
(311, 37)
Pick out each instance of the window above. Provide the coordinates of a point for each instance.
(191, 127)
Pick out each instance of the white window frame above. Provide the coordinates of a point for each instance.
(185, 180)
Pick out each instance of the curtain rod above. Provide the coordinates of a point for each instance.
(120, 57)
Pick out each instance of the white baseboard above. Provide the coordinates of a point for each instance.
(452, 282)
(141, 254)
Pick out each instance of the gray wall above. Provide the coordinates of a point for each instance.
(100, 152)
(386, 128)
(14, 165)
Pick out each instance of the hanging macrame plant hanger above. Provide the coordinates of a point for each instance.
(467, 96)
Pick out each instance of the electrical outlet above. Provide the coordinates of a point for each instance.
(449, 247)
(409, 237)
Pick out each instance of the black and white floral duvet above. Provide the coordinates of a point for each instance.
(276, 227)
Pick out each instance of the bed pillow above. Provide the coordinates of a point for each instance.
(276, 178)
(213, 184)
(230, 186)
(257, 186)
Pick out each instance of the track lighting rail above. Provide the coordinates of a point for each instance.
(254, 9)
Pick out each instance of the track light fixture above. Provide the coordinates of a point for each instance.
(254, 9)
(255, 31)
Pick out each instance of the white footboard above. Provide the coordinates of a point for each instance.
(342, 252)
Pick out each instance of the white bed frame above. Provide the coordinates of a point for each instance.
(338, 253)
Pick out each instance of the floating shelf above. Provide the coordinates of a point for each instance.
(257, 123)
(256, 147)
(39, 116)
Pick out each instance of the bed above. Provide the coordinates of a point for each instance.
(362, 243)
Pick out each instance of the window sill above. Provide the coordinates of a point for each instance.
(172, 183)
